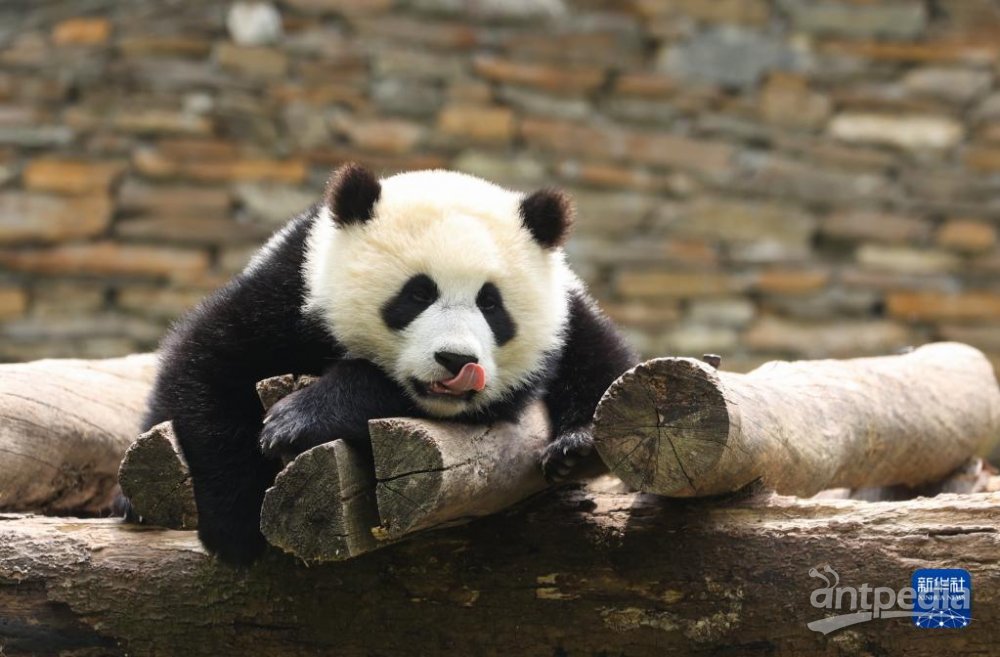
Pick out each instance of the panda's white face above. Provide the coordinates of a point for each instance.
(443, 287)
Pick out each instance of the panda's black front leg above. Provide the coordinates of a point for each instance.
(594, 355)
(337, 406)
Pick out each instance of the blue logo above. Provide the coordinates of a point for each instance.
(942, 598)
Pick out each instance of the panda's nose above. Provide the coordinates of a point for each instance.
(454, 362)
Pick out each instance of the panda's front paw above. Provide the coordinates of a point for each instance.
(292, 426)
(569, 456)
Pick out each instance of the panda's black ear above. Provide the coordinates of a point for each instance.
(548, 214)
(352, 194)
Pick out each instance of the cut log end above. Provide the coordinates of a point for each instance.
(663, 425)
(675, 426)
(155, 478)
(322, 505)
(433, 473)
(273, 389)
(409, 469)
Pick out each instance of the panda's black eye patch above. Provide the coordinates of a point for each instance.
(416, 296)
(490, 303)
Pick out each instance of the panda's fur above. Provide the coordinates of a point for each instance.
(386, 289)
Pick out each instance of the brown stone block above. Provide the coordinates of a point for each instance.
(479, 123)
(907, 259)
(319, 94)
(108, 259)
(647, 85)
(840, 339)
(381, 163)
(557, 79)
(967, 235)
(791, 281)
(151, 45)
(599, 47)
(733, 221)
(969, 50)
(155, 164)
(192, 148)
(943, 306)
(614, 176)
(254, 61)
(982, 158)
(390, 136)
(160, 302)
(29, 217)
(349, 7)
(876, 226)
(81, 32)
(142, 121)
(653, 316)
(190, 229)
(748, 12)
(67, 298)
(787, 100)
(661, 284)
(137, 197)
(658, 148)
(70, 176)
(13, 302)
(446, 35)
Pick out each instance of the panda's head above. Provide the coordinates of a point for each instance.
(456, 287)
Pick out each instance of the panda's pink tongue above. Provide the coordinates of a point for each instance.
(471, 377)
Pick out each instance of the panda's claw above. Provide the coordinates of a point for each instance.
(563, 456)
(288, 429)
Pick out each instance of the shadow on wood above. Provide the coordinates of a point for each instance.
(578, 572)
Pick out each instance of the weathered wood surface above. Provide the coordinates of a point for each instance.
(335, 502)
(574, 573)
(322, 505)
(678, 427)
(64, 426)
(430, 473)
(154, 476)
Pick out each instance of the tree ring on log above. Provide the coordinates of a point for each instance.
(669, 417)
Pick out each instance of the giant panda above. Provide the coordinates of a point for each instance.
(426, 294)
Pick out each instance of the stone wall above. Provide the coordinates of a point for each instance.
(755, 178)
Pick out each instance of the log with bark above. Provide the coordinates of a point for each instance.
(679, 427)
(673, 426)
(335, 501)
(579, 572)
(64, 425)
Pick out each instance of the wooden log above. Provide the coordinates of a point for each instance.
(678, 427)
(578, 572)
(434, 473)
(333, 502)
(154, 476)
(64, 426)
(322, 505)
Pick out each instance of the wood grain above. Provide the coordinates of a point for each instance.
(678, 427)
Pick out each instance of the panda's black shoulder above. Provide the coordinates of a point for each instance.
(282, 256)
(255, 321)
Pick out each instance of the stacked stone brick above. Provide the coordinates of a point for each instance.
(756, 178)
